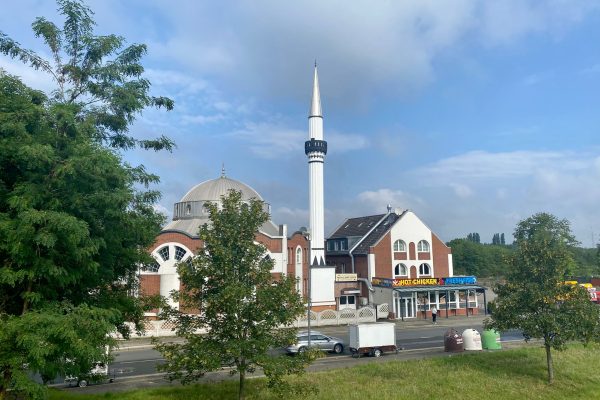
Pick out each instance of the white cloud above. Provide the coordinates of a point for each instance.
(272, 140)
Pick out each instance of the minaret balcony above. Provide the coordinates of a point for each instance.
(315, 146)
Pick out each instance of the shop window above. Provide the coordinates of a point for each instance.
(400, 270)
(399, 245)
(424, 269)
(164, 253)
(423, 246)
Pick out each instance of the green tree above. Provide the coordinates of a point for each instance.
(75, 220)
(244, 308)
(96, 74)
(535, 298)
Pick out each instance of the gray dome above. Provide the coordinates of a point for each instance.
(213, 189)
(189, 213)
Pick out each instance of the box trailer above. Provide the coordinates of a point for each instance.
(372, 339)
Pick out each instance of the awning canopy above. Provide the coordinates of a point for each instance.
(442, 288)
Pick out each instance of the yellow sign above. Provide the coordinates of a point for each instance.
(345, 277)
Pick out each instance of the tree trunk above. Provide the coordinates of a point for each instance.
(6, 377)
(241, 394)
(549, 363)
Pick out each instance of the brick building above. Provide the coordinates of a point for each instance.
(398, 260)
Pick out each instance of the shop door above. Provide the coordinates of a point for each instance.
(347, 301)
(405, 307)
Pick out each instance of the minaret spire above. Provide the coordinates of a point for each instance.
(315, 107)
(321, 284)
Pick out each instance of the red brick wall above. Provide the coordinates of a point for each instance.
(411, 251)
(166, 237)
(424, 255)
(401, 255)
(298, 240)
(150, 286)
(440, 257)
(383, 257)
(361, 266)
(272, 244)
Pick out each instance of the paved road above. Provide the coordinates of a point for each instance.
(135, 364)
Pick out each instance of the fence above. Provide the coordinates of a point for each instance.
(345, 316)
(324, 318)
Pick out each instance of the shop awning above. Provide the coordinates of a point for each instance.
(442, 288)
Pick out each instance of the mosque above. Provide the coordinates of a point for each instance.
(391, 258)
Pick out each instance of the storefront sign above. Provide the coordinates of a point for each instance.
(345, 277)
(459, 280)
(399, 282)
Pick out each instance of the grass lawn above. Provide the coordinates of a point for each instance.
(509, 374)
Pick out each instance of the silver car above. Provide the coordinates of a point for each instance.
(318, 341)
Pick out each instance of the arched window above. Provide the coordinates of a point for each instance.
(164, 253)
(423, 246)
(400, 270)
(179, 253)
(298, 255)
(424, 269)
(152, 267)
(188, 209)
(399, 245)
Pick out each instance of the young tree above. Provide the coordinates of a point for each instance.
(502, 241)
(535, 298)
(244, 308)
(73, 224)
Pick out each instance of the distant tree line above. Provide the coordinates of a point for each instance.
(490, 260)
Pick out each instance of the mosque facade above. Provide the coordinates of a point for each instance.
(391, 258)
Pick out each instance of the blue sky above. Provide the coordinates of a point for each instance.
(473, 114)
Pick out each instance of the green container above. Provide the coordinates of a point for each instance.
(490, 340)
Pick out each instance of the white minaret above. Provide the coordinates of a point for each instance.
(322, 277)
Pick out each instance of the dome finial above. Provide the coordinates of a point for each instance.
(223, 170)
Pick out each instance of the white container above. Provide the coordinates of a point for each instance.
(372, 335)
(472, 340)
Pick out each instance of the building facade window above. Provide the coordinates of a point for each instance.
(298, 255)
(423, 246)
(152, 267)
(399, 245)
(179, 253)
(164, 253)
(424, 269)
(400, 270)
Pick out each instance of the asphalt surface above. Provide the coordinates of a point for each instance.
(136, 360)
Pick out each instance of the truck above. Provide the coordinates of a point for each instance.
(372, 339)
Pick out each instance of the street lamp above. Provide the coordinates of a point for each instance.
(306, 234)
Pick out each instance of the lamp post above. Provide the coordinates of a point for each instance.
(306, 234)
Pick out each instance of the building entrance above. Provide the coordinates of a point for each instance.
(404, 307)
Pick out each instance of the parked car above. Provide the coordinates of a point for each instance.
(98, 374)
(317, 341)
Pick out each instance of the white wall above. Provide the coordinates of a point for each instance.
(322, 285)
(411, 229)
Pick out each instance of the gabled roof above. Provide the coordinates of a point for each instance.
(356, 226)
(369, 230)
(376, 234)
